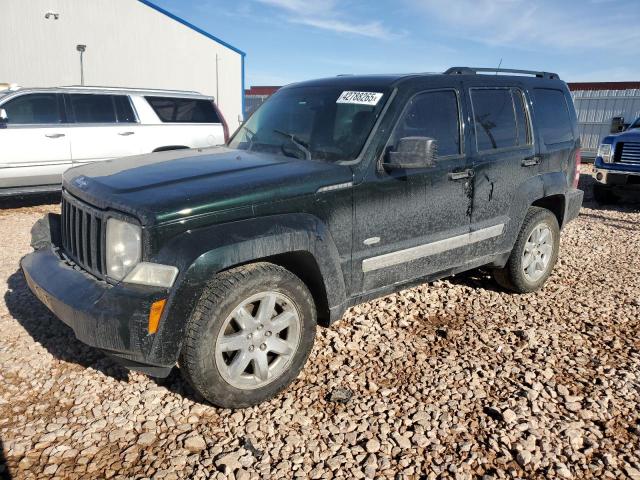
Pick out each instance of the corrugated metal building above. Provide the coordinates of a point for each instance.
(597, 103)
(129, 43)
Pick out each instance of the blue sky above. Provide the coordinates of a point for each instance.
(292, 40)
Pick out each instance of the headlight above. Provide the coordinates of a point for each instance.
(604, 151)
(123, 246)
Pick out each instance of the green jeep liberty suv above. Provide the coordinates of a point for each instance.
(334, 192)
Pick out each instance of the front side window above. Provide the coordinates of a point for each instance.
(88, 108)
(320, 123)
(33, 109)
(434, 115)
(552, 116)
(184, 110)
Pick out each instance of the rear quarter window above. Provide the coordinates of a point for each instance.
(552, 116)
(183, 110)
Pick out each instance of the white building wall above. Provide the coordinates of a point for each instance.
(128, 44)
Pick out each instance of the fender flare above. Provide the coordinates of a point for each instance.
(220, 247)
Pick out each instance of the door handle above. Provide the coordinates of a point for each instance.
(468, 173)
(54, 135)
(126, 134)
(531, 161)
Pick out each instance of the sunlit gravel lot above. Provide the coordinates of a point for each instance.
(456, 379)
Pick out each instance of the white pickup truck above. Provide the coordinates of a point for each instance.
(44, 131)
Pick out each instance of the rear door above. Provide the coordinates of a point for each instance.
(553, 117)
(104, 127)
(189, 122)
(504, 162)
(34, 147)
(414, 222)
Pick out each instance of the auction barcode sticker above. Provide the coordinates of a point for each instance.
(360, 98)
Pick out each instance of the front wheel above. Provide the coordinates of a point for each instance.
(249, 336)
(534, 254)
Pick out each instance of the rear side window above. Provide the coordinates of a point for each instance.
(434, 115)
(184, 110)
(495, 118)
(552, 116)
(34, 109)
(88, 108)
(124, 111)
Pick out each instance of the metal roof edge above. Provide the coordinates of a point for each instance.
(191, 26)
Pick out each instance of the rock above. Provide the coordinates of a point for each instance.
(147, 439)
(509, 416)
(195, 444)
(402, 441)
(340, 395)
(229, 462)
(372, 445)
(633, 473)
(523, 457)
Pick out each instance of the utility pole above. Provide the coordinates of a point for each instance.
(81, 49)
(217, 90)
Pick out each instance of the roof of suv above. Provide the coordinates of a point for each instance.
(388, 80)
(112, 90)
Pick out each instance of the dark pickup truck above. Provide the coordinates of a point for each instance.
(334, 192)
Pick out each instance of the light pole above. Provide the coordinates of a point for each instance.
(81, 49)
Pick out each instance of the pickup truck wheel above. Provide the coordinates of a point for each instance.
(534, 254)
(249, 335)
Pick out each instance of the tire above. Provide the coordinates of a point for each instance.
(513, 276)
(603, 194)
(215, 329)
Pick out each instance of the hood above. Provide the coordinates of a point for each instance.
(165, 186)
(629, 135)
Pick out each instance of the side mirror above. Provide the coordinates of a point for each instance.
(413, 152)
(4, 119)
(617, 125)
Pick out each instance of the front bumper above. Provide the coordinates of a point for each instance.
(612, 176)
(112, 318)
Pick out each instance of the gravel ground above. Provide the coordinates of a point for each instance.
(455, 379)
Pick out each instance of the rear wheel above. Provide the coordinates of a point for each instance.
(249, 336)
(534, 253)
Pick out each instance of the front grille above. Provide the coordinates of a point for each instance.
(628, 152)
(83, 230)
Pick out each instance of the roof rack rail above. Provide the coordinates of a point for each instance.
(474, 70)
(131, 89)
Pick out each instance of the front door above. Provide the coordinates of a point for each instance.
(34, 146)
(414, 222)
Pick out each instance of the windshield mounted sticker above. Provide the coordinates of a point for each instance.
(360, 98)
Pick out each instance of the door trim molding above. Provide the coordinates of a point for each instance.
(428, 249)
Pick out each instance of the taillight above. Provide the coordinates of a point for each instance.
(225, 127)
(576, 176)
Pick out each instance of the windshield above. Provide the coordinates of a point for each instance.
(313, 123)
(635, 124)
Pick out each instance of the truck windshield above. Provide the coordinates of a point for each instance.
(313, 123)
(635, 124)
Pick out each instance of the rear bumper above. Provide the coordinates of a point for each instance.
(112, 318)
(572, 204)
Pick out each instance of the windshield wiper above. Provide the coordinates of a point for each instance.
(302, 145)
